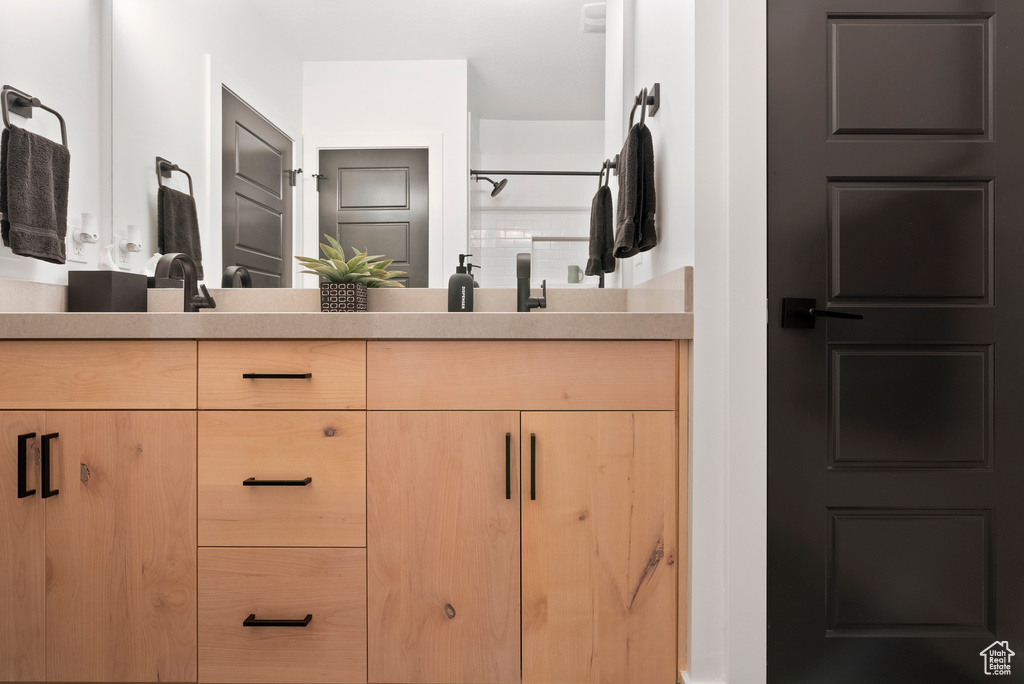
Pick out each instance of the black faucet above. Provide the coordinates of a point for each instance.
(193, 300)
(236, 276)
(524, 302)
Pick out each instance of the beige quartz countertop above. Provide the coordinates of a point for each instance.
(384, 325)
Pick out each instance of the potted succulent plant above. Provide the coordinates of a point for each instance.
(343, 282)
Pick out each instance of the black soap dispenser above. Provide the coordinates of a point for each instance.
(460, 287)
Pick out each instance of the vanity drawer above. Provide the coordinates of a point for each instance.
(282, 584)
(557, 375)
(328, 447)
(336, 373)
(98, 374)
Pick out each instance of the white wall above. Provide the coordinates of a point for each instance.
(395, 101)
(728, 483)
(58, 51)
(170, 60)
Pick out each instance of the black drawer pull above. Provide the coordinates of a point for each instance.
(277, 376)
(253, 482)
(508, 465)
(533, 467)
(23, 489)
(45, 465)
(251, 621)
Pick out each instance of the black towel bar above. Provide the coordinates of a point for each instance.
(17, 102)
(163, 170)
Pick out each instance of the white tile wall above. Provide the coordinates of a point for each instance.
(498, 236)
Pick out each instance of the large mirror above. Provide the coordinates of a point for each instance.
(477, 85)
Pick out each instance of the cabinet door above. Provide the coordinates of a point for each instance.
(443, 546)
(121, 547)
(599, 547)
(22, 574)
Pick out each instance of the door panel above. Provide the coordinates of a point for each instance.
(599, 547)
(121, 547)
(443, 569)
(376, 200)
(894, 463)
(256, 199)
(22, 553)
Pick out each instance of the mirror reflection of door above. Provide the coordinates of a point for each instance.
(376, 200)
(257, 194)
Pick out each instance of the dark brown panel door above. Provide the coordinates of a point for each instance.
(257, 195)
(377, 200)
(895, 465)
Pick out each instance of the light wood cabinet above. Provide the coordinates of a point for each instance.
(599, 547)
(118, 542)
(282, 511)
(282, 478)
(22, 551)
(597, 539)
(240, 586)
(443, 549)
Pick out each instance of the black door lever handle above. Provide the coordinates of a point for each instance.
(800, 313)
(825, 313)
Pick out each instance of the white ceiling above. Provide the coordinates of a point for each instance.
(528, 59)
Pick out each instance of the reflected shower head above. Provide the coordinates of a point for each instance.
(498, 187)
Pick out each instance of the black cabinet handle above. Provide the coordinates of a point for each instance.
(533, 467)
(23, 490)
(508, 465)
(277, 376)
(253, 482)
(45, 463)
(251, 621)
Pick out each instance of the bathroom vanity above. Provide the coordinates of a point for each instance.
(304, 499)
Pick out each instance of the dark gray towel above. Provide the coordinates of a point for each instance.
(177, 228)
(634, 217)
(34, 176)
(602, 234)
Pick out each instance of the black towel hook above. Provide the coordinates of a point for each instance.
(163, 170)
(21, 103)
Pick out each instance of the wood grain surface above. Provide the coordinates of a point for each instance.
(22, 555)
(522, 375)
(98, 374)
(327, 446)
(443, 557)
(338, 374)
(121, 547)
(599, 548)
(329, 584)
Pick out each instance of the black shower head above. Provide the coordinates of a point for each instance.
(498, 187)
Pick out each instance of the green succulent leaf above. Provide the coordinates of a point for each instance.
(370, 270)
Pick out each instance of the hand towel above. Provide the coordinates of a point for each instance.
(34, 177)
(178, 228)
(634, 217)
(602, 238)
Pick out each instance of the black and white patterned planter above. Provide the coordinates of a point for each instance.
(338, 297)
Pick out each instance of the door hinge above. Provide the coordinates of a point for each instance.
(293, 177)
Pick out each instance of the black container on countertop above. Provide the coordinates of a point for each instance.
(106, 291)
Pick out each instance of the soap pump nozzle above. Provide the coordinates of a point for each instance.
(461, 268)
(469, 268)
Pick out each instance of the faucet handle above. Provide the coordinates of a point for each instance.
(543, 301)
(205, 300)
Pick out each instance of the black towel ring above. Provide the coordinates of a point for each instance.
(601, 182)
(640, 101)
(20, 103)
(163, 170)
